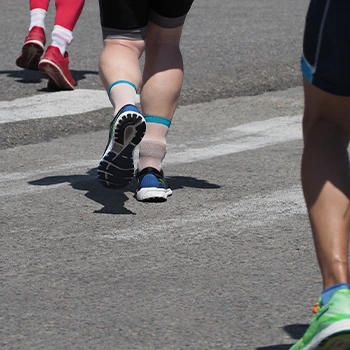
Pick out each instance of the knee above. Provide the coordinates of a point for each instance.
(326, 130)
(164, 48)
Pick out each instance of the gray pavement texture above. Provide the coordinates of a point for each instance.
(226, 263)
(230, 48)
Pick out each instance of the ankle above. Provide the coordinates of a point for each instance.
(327, 294)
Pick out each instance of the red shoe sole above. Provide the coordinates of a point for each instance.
(29, 58)
(53, 72)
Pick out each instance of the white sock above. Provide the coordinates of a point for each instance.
(61, 38)
(152, 148)
(37, 18)
(151, 154)
(122, 94)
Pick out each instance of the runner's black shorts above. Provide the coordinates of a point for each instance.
(326, 47)
(129, 18)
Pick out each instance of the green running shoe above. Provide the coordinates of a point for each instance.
(330, 327)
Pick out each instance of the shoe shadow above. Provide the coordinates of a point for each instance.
(113, 201)
(81, 74)
(26, 76)
(178, 182)
(295, 331)
(276, 347)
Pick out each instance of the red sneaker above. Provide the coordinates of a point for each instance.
(55, 67)
(32, 49)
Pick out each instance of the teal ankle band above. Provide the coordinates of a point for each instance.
(157, 120)
(120, 82)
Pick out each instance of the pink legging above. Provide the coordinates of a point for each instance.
(67, 11)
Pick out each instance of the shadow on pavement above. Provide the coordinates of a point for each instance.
(27, 76)
(276, 347)
(178, 182)
(113, 201)
(296, 331)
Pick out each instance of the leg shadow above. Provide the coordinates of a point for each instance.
(113, 201)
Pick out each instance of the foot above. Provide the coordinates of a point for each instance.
(116, 168)
(32, 49)
(330, 327)
(152, 186)
(55, 67)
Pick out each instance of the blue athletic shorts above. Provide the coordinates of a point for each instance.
(326, 48)
(129, 18)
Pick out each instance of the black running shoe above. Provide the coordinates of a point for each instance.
(152, 186)
(116, 168)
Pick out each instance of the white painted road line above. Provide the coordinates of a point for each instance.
(243, 138)
(55, 104)
(238, 139)
(270, 207)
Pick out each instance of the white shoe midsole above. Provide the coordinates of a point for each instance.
(153, 192)
(336, 327)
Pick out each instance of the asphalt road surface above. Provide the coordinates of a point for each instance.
(226, 263)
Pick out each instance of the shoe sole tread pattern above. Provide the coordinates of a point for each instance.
(116, 168)
(52, 71)
(29, 58)
(334, 337)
